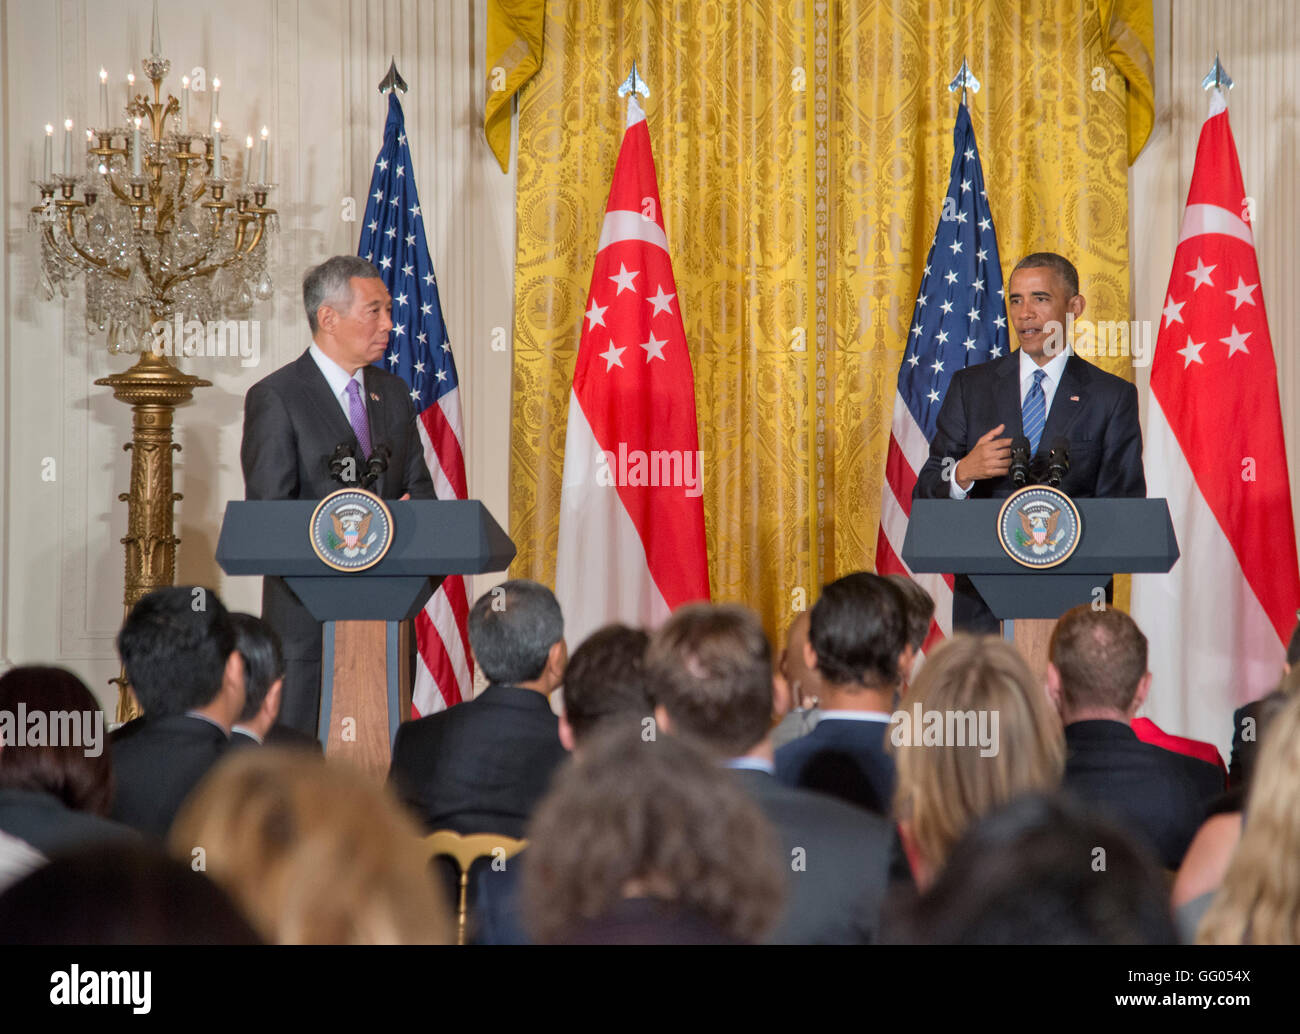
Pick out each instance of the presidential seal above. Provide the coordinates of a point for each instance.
(351, 529)
(1039, 526)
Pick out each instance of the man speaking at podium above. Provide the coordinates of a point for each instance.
(329, 405)
(1073, 414)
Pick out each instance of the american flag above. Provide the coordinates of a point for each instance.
(959, 319)
(393, 239)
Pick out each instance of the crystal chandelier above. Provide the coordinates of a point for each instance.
(161, 230)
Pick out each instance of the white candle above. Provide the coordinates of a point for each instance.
(130, 88)
(49, 153)
(136, 169)
(103, 98)
(248, 160)
(67, 147)
(155, 43)
(216, 149)
(216, 97)
(185, 104)
(261, 176)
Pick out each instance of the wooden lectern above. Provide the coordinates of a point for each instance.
(960, 537)
(365, 681)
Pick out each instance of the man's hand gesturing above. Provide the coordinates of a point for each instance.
(990, 458)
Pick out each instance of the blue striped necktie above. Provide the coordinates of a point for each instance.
(1033, 414)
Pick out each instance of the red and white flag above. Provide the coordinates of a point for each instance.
(631, 543)
(1219, 621)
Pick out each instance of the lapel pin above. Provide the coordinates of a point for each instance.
(1073, 398)
(375, 398)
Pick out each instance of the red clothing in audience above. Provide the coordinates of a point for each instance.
(1148, 732)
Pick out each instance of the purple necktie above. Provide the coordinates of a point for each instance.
(357, 416)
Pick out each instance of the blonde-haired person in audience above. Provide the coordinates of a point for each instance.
(313, 852)
(1014, 745)
(1259, 902)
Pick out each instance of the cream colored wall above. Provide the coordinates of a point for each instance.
(307, 69)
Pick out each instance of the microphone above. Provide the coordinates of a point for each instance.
(1020, 461)
(339, 462)
(376, 465)
(1058, 461)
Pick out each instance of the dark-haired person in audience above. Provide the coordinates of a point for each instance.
(1029, 873)
(120, 894)
(1098, 679)
(178, 648)
(710, 670)
(482, 766)
(918, 605)
(259, 646)
(998, 739)
(1211, 850)
(857, 643)
(649, 841)
(56, 795)
(1245, 721)
(1259, 902)
(605, 686)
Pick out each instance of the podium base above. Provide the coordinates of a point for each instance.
(1032, 637)
(365, 690)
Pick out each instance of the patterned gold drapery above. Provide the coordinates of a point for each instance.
(803, 153)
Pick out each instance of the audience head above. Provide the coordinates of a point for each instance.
(178, 649)
(1259, 900)
(313, 852)
(803, 682)
(76, 769)
(1098, 665)
(123, 893)
(857, 634)
(1005, 741)
(1043, 870)
(919, 608)
(516, 631)
(710, 670)
(657, 819)
(605, 681)
(263, 658)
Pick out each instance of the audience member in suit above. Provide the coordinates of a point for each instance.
(1259, 902)
(1245, 722)
(55, 794)
(482, 766)
(645, 839)
(124, 893)
(17, 859)
(1207, 859)
(178, 649)
(297, 416)
(263, 658)
(1148, 732)
(313, 852)
(1025, 874)
(804, 686)
(1098, 680)
(857, 644)
(604, 685)
(974, 731)
(710, 670)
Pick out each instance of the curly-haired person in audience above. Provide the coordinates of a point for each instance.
(649, 841)
(972, 685)
(1259, 902)
(312, 851)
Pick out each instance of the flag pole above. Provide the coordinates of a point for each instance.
(1218, 76)
(634, 84)
(964, 78)
(392, 80)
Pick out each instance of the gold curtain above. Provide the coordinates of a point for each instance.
(803, 153)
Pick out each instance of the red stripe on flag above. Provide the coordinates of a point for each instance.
(900, 476)
(447, 448)
(434, 654)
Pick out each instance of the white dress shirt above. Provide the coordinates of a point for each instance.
(338, 380)
(1054, 368)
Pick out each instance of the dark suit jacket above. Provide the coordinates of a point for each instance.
(292, 422)
(157, 763)
(1159, 796)
(835, 898)
(1095, 410)
(844, 758)
(278, 736)
(51, 826)
(481, 766)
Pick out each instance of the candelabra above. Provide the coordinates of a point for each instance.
(159, 233)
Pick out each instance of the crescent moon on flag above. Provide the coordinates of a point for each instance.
(1200, 220)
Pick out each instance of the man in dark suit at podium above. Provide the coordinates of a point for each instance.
(1042, 391)
(295, 419)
